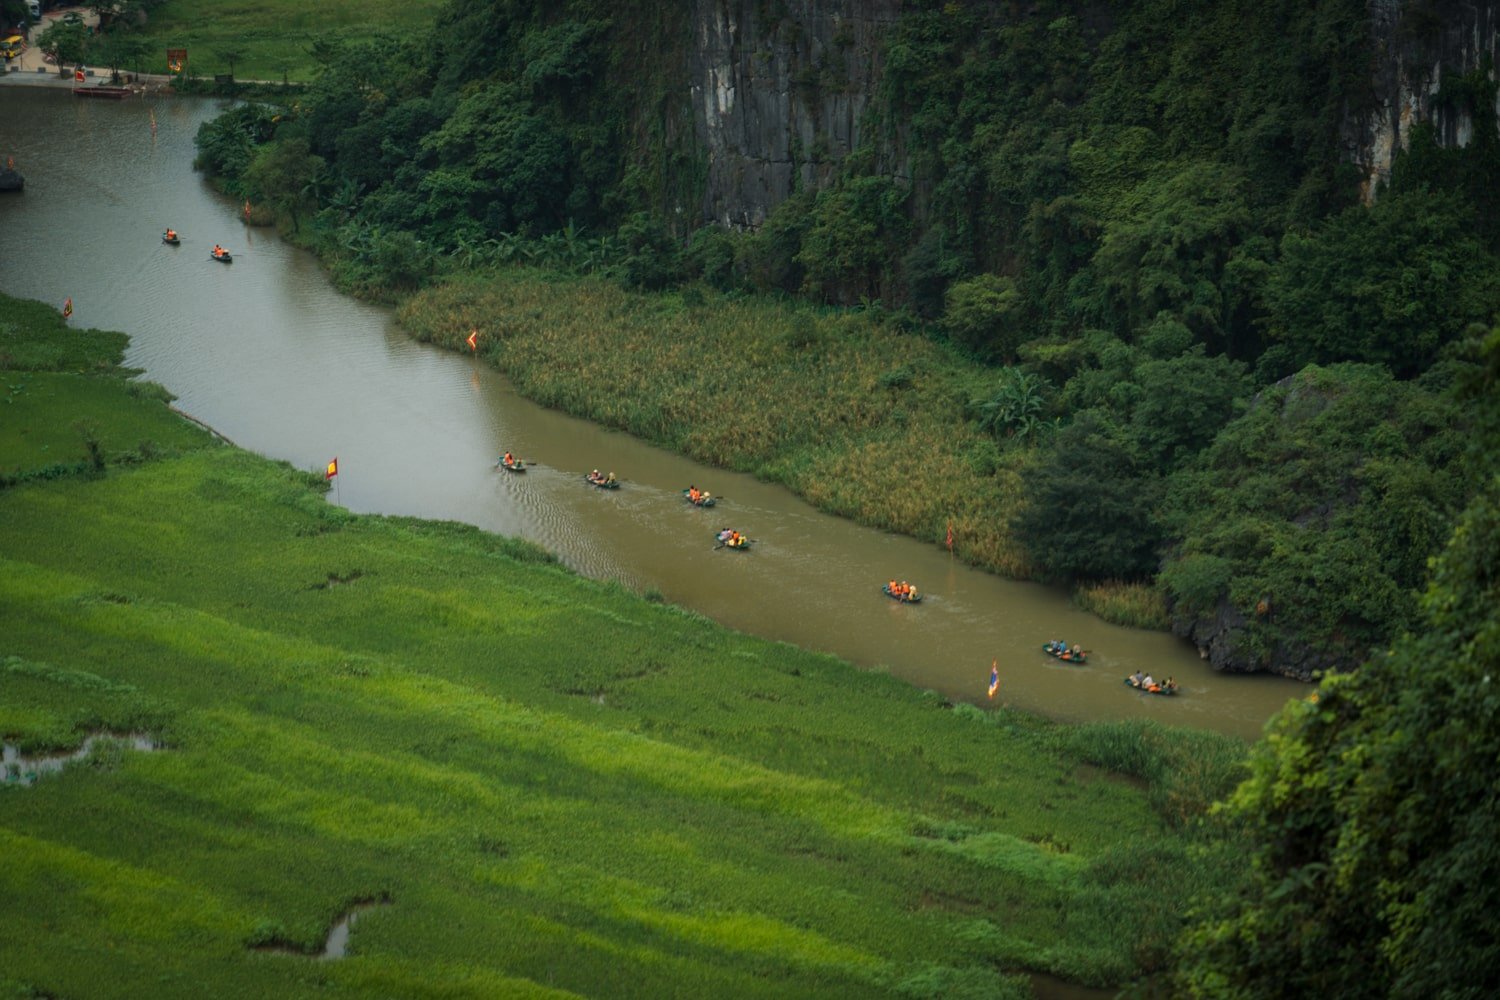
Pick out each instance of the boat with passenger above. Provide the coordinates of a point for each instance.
(1062, 651)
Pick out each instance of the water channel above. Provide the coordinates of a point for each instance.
(269, 354)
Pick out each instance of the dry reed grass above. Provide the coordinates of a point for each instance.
(861, 419)
(1139, 605)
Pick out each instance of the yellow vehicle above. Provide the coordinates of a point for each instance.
(11, 47)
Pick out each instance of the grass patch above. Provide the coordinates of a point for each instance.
(272, 39)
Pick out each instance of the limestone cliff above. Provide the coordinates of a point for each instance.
(1418, 45)
(778, 92)
(779, 89)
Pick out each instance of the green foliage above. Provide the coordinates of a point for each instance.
(855, 230)
(1323, 500)
(929, 267)
(227, 144)
(710, 257)
(771, 257)
(1389, 284)
(1198, 582)
(1088, 512)
(499, 162)
(982, 313)
(283, 175)
(653, 259)
(1371, 810)
(1168, 250)
(66, 39)
(1016, 405)
(1184, 402)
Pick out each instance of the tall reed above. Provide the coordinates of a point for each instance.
(860, 418)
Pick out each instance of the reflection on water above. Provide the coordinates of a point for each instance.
(268, 354)
(337, 945)
(18, 770)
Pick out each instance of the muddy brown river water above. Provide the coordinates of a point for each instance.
(265, 351)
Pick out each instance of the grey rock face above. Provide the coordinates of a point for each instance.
(1417, 47)
(777, 94)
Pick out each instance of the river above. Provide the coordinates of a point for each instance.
(269, 354)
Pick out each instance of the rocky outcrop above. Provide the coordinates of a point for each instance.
(1417, 46)
(778, 94)
(1223, 637)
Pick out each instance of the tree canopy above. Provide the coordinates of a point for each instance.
(1371, 816)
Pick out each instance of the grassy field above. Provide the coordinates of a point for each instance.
(559, 787)
(867, 422)
(271, 38)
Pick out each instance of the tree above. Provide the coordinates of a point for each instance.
(1184, 402)
(1089, 511)
(226, 144)
(65, 40)
(652, 258)
(1170, 251)
(1371, 815)
(982, 313)
(12, 12)
(281, 174)
(854, 230)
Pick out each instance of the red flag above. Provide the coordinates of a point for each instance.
(333, 469)
(473, 336)
(994, 677)
(950, 536)
(68, 307)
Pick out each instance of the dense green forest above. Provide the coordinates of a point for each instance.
(1208, 364)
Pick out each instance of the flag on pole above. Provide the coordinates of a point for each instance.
(950, 536)
(333, 469)
(473, 337)
(68, 307)
(994, 677)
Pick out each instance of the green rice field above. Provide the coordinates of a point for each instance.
(555, 786)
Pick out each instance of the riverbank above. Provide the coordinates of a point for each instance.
(555, 783)
(857, 417)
